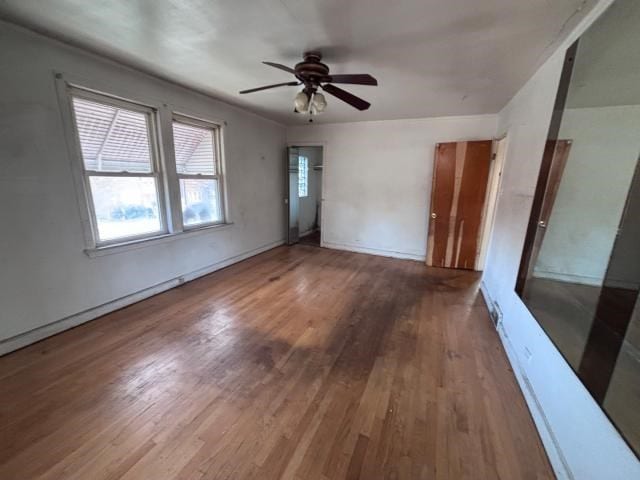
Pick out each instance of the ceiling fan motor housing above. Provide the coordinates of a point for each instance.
(311, 69)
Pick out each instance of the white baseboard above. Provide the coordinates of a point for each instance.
(32, 336)
(373, 251)
(549, 441)
(568, 278)
(583, 280)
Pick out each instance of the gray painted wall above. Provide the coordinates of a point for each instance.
(377, 179)
(592, 193)
(45, 276)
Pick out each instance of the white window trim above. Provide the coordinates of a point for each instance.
(216, 130)
(157, 240)
(156, 170)
(168, 184)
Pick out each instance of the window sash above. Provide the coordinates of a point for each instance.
(198, 176)
(163, 164)
(154, 152)
(196, 226)
(163, 230)
(96, 173)
(218, 176)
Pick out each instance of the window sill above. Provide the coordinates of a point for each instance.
(157, 240)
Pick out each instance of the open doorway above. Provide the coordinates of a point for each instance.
(305, 167)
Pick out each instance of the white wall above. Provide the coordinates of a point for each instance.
(45, 276)
(581, 442)
(592, 192)
(308, 204)
(377, 179)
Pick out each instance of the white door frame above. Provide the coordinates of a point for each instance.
(323, 215)
(497, 168)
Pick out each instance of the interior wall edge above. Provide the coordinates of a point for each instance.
(58, 326)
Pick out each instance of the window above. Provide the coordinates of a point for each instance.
(120, 167)
(303, 176)
(196, 153)
(128, 184)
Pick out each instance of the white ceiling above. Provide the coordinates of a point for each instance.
(431, 57)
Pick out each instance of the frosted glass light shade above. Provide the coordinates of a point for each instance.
(301, 102)
(319, 103)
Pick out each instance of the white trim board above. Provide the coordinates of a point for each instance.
(568, 278)
(551, 445)
(322, 144)
(584, 280)
(374, 251)
(27, 338)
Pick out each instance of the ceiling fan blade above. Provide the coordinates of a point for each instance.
(347, 97)
(281, 67)
(286, 84)
(354, 79)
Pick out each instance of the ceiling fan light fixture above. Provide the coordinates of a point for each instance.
(314, 75)
(301, 102)
(319, 103)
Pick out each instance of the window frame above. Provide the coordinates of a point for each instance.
(163, 153)
(216, 130)
(306, 176)
(157, 173)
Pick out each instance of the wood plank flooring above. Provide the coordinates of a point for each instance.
(300, 363)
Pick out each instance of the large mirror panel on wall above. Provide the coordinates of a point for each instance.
(580, 270)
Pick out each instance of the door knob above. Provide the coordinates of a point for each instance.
(542, 224)
(433, 215)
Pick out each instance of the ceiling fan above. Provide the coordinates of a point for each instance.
(314, 74)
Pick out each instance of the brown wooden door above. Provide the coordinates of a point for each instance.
(460, 176)
(558, 153)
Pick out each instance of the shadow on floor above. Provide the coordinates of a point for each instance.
(311, 239)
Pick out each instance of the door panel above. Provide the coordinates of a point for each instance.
(444, 174)
(460, 176)
(292, 200)
(558, 152)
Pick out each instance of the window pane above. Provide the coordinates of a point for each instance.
(200, 201)
(303, 175)
(125, 206)
(194, 149)
(112, 139)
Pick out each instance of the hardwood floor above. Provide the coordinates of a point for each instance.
(300, 363)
